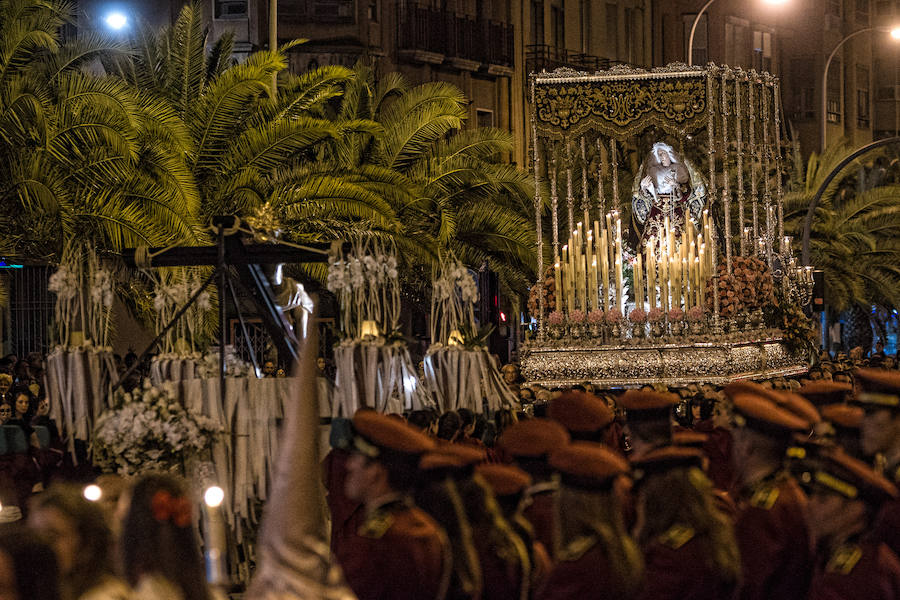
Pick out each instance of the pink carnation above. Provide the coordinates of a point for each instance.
(613, 315)
(555, 318)
(655, 315)
(676, 314)
(637, 316)
(695, 314)
(595, 316)
(576, 316)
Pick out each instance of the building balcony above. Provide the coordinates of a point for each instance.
(430, 35)
(541, 57)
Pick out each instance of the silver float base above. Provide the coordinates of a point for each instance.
(675, 364)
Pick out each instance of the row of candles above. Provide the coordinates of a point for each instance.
(670, 271)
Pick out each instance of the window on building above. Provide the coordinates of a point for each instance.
(584, 11)
(484, 117)
(557, 27)
(737, 42)
(333, 11)
(612, 29)
(628, 50)
(537, 21)
(833, 103)
(762, 50)
(862, 12)
(700, 51)
(863, 116)
(373, 11)
(231, 9)
(807, 104)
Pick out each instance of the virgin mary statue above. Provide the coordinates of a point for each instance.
(666, 186)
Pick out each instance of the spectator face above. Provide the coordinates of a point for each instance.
(21, 405)
(60, 532)
(43, 408)
(268, 368)
(5, 383)
(5, 413)
(320, 364)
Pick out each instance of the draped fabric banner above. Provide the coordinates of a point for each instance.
(619, 103)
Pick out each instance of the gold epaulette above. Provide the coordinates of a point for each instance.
(376, 525)
(677, 536)
(765, 495)
(577, 547)
(844, 559)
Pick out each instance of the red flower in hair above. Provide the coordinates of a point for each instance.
(166, 507)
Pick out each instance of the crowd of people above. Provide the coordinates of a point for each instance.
(781, 489)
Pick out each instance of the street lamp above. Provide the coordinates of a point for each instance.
(116, 21)
(895, 34)
(690, 52)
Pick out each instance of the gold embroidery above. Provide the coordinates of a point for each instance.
(765, 496)
(618, 107)
(844, 559)
(677, 536)
(377, 525)
(577, 547)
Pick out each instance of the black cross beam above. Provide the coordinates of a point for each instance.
(248, 261)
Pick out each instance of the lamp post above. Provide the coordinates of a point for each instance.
(895, 33)
(690, 52)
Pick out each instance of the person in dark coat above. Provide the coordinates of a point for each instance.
(399, 552)
(689, 546)
(771, 526)
(596, 558)
(844, 496)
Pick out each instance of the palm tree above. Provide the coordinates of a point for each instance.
(854, 239)
(246, 145)
(459, 196)
(84, 157)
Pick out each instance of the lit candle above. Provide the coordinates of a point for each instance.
(604, 267)
(567, 279)
(686, 283)
(560, 295)
(215, 538)
(651, 273)
(619, 287)
(699, 288)
(589, 261)
(663, 275)
(639, 284)
(595, 300)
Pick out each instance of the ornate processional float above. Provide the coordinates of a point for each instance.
(668, 259)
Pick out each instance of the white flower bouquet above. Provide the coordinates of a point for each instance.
(148, 430)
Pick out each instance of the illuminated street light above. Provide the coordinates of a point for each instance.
(116, 21)
(895, 34)
(690, 52)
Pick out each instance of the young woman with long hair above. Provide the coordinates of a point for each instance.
(79, 534)
(688, 543)
(596, 558)
(160, 555)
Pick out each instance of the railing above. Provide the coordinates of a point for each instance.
(454, 36)
(541, 57)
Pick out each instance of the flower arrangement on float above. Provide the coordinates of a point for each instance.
(148, 430)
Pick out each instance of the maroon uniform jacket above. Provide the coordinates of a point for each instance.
(541, 513)
(582, 573)
(718, 450)
(675, 570)
(866, 570)
(887, 526)
(346, 515)
(774, 541)
(399, 553)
